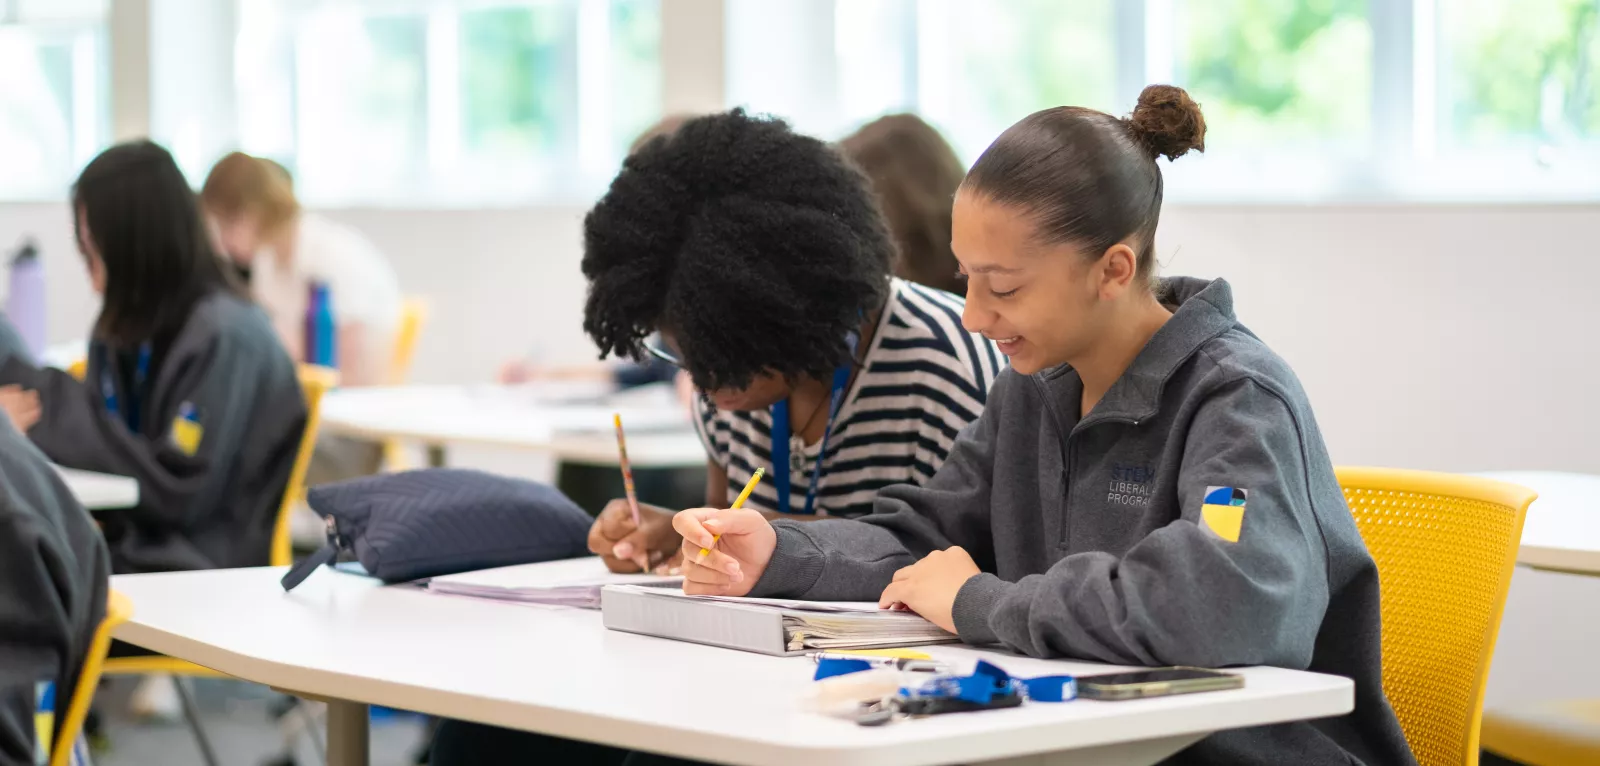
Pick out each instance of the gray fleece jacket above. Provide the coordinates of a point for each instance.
(53, 571)
(211, 503)
(1192, 518)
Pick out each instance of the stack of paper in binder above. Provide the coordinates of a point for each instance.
(768, 626)
(574, 583)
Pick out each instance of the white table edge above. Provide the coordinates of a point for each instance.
(1333, 700)
(105, 492)
(1575, 561)
(1548, 558)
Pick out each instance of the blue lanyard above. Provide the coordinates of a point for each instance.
(781, 431)
(108, 386)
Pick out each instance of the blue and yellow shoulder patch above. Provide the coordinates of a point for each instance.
(1223, 511)
(44, 721)
(186, 429)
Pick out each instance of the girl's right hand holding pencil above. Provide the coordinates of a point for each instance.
(740, 543)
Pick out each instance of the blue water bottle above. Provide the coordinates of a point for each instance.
(25, 301)
(321, 336)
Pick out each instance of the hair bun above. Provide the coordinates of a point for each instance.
(1168, 122)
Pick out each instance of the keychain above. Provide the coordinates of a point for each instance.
(986, 688)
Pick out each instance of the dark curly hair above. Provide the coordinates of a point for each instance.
(758, 249)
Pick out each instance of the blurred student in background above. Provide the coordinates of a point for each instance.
(284, 251)
(187, 390)
(914, 174)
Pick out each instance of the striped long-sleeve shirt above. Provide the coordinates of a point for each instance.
(923, 379)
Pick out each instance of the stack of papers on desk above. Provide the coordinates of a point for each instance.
(574, 583)
(765, 625)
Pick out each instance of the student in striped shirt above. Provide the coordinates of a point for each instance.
(757, 260)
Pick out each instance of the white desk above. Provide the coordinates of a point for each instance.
(567, 426)
(559, 672)
(1562, 531)
(100, 491)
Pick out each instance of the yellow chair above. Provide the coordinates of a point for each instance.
(118, 610)
(314, 382)
(1445, 546)
(413, 315)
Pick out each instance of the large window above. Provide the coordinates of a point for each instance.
(514, 102)
(975, 52)
(446, 102)
(53, 114)
(1309, 100)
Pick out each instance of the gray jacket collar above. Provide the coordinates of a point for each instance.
(1202, 310)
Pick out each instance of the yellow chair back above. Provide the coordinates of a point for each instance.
(314, 382)
(1445, 546)
(118, 610)
(413, 315)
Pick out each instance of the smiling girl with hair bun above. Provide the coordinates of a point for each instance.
(1147, 486)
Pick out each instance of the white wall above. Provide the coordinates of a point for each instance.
(71, 306)
(1451, 338)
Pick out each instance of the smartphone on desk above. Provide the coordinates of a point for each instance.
(1156, 682)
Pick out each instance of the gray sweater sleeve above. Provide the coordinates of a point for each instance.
(53, 571)
(1185, 594)
(11, 344)
(855, 559)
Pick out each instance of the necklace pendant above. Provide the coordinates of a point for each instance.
(797, 455)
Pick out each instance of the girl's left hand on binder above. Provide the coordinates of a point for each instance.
(929, 587)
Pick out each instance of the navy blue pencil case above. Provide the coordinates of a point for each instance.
(437, 521)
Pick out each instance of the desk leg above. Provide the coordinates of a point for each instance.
(435, 455)
(1126, 754)
(347, 733)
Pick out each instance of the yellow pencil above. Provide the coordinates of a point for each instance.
(627, 470)
(743, 495)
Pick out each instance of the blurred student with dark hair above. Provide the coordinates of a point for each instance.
(187, 389)
(914, 174)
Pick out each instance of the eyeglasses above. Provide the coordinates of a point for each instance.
(658, 348)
